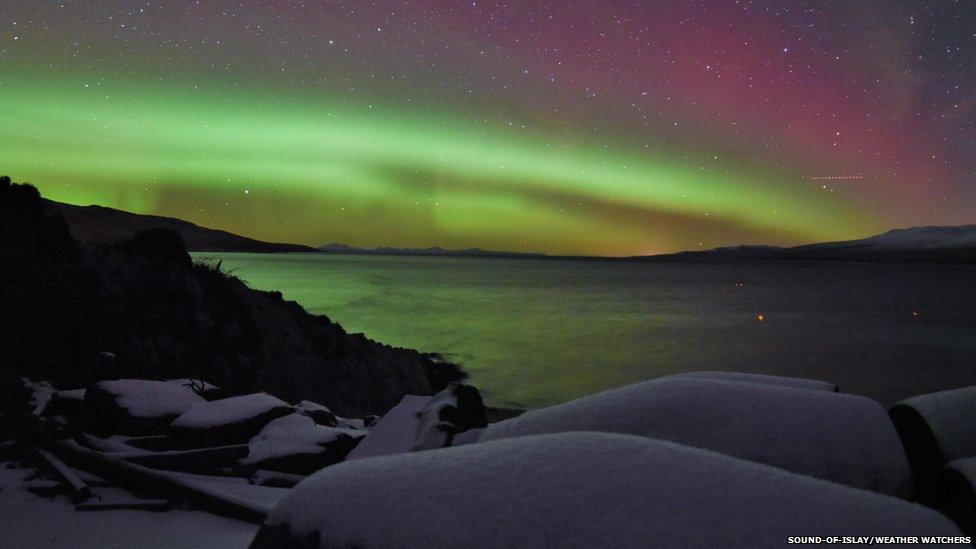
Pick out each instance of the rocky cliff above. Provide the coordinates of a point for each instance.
(142, 308)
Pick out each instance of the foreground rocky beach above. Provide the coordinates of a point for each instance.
(708, 458)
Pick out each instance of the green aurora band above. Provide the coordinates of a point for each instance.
(316, 169)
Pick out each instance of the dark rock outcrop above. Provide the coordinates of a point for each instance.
(98, 226)
(317, 413)
(142, 309)
(456, 409)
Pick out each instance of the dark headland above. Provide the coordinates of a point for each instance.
(139, 307)
(96, 225)
(951, 245)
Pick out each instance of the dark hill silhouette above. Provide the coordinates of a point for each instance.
(95, 225)
(141, 308)
(950, 245)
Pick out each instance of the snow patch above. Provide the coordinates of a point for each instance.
(206, 415)
(292, 435)
(150, 399)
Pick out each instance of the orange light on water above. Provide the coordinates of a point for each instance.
(761, 317)
(915, 314)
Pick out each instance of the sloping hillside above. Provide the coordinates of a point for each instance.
(954, 244)
(92, 225)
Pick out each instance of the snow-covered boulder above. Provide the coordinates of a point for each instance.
(794, 382)
(938, 427)
(135, 406)
(40, 394)
(233, 420)
(395, 432)
(843, 438)
(350, 423)
(577, 490)
(296, 444)
(424, 423)
(450, 412)
(319, 413)
(207, 390)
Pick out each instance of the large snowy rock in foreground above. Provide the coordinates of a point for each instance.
(577, 490)
(233, 420)
(135, 406)
(295, 444)
(938, 427)
(833, 436)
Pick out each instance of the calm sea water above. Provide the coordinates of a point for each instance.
(538, 332)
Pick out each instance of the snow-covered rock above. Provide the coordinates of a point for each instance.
(938, 427)
(424, 423)
(207, 390)
(296, 444)
(72, 394)
(450, 412)
(843, 438)
(40, 394)
(319, 413)
(794, 382)
(577, 490)
(350, 423)
(231, 420)
(395, 432)
(135, 406)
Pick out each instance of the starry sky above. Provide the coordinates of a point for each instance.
(601, 127)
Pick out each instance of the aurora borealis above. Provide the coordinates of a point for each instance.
(606, 128)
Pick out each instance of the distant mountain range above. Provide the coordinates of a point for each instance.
(956, 244)
(336, 248)
(97, 225)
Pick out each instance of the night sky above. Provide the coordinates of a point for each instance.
(573, 127)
